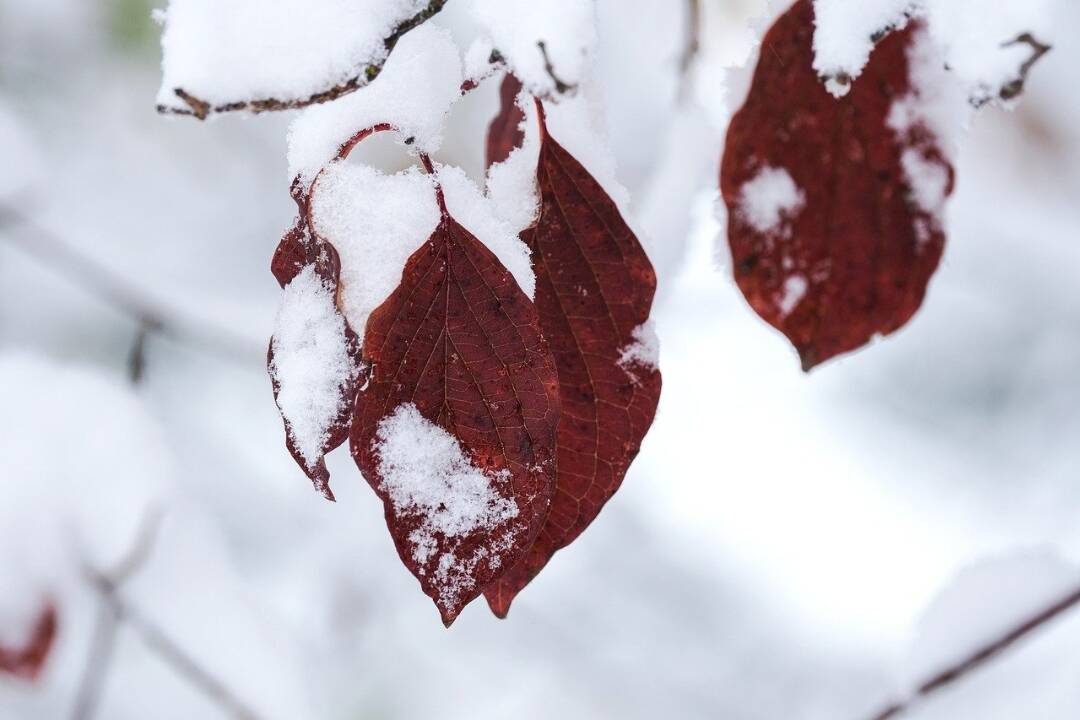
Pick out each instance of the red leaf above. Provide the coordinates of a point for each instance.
(594, 289)
(298, 249)
(458, 345)
(505, 132)
(26, 662)
(851, 258)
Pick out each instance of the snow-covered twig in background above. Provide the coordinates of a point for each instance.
(201, 109)
(981, 656)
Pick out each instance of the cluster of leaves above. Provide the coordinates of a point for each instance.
(537, 393)
(543, 395)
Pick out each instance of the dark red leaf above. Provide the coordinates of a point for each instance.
(298, 249)
(505, 132)
(594, 290)
(26, 662)
(460, 342)
(854, 260)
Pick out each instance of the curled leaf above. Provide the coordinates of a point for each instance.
(594, 292)
(455, 430)
(314, 356)
(833, 204)
(505, 132)
(26, 662)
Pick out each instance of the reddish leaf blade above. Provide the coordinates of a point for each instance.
(457, 348)
(594, 290)
(299, 249)
(505, 132)
(27, 662)
(838, 250)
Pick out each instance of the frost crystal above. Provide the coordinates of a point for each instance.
(311, 362)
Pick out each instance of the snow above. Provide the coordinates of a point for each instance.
(311, 362)
(511, 184)
(844, 36)
(375, 221)
(770, 198)
(515, 27)
(643, 353)
(239, 50)
(975, 37)
(983, 603)
(427, 476)
(420, 82)
(477, 214)
(794, 290)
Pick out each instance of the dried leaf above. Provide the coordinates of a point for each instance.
(831, 242)
(27, 662)
(298, 249)
(505, 132)
(457, 348)
(594, 291)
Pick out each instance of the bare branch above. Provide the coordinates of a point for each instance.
(560, 87)
(980, 657)
(98, 663)
(1013, 89)
(201, 109)
(123, 295)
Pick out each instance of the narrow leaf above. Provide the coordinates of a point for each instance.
(594, 292)
(505, 132)
(833, 204)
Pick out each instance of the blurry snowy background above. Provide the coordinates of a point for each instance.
(777, 551)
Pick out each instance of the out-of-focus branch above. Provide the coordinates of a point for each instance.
(116, 612)
(1013, 89)
(201, 109)
(123, 295)
(691, 46)
(561, 86)
(988, 652)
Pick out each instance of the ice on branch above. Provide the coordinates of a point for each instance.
(414, 92)
(223, 52)
(989, 46)
(311, 363)
(430, 481)
(544, 43)
(769, 199)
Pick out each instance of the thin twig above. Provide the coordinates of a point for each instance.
(201, 109)
(152, 317)
(1013, 89)
(980, 657)
(98, 663)
(561, 87)
(691, 46)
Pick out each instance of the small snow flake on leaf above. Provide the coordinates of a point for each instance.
(456, 429)
(835, 204)
(28, 659)
(594, 292)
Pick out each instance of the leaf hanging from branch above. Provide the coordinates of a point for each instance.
(26, 662)
(834, 205)
(456, 429)
(594, 292)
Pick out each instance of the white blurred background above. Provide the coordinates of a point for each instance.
(772, 550)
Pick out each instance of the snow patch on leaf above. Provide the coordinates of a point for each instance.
(311, 362)
(375, 221)
(428, 477)
(511, 184)
(792, 293)
(770, 198)
(414, 92)
(644, 352)
(845, 35)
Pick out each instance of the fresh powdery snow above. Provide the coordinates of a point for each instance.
(644, 352)
(976, 37)
(792, 293)
(511, 184)
(983, 603)
(421, 80)
(375, 221)
(769, 199)
(311, 362)
(236, 50)
(567, 29)
(428, 477)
